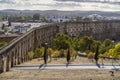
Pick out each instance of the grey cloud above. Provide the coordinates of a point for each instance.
(7, 1)
(88, 0)
(97, 1)
(59, 5)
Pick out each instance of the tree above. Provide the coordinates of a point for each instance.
(78, 18)
(62, 41)
(1, 18)
(111, 52)
(97, 54)
(26, 18)
(43, 19)
(45, 54)
(68, 56)
(77, 43)
(116, 50)
(12, 18)
(94, 44)
(3, 26)
(36, 16)
(1, 32)
(20, 19)
(106, 45)
(85, 43)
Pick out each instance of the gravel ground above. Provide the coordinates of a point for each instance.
(59, 75)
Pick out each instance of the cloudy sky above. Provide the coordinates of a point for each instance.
(84, 5)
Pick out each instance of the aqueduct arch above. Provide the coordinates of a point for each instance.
(16, 51)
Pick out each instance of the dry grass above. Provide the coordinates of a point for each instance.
(79, 60)
(65, 74)
(59, 75)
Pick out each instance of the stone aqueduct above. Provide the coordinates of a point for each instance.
(16, 51)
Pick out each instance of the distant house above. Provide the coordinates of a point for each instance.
(57, 19)
(94, 17)
(21, 29)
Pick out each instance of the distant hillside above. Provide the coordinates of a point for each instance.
(12, 12)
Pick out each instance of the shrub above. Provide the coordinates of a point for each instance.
(31, 54)
(50, 51)
(65, 53)
(39, 52)
(73, 53)
(106, 54)
(101, 55)
(90, 55)
(3, 43)
(55, 53)
(62, 53)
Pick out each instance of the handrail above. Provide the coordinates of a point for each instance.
(14, 41)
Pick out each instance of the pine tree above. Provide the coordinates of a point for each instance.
(97, 54)
(68, 56)
(45, 54)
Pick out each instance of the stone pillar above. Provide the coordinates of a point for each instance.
(19, 55)
(25, 48)
(13, 57)
(16, 55)
(8, 62)
(4, 62)
(1, 64)
(23, 51)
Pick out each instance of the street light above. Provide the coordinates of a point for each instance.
(113, 47)
(102, 63)
(112, 59)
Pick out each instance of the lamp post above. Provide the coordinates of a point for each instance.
(112, 59)
(102, 63)
(113, 47)
(45, 54)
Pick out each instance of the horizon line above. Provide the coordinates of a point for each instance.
(58, 10)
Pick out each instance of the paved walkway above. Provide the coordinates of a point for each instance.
(64, 66)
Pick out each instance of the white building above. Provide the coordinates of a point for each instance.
(58, 19)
